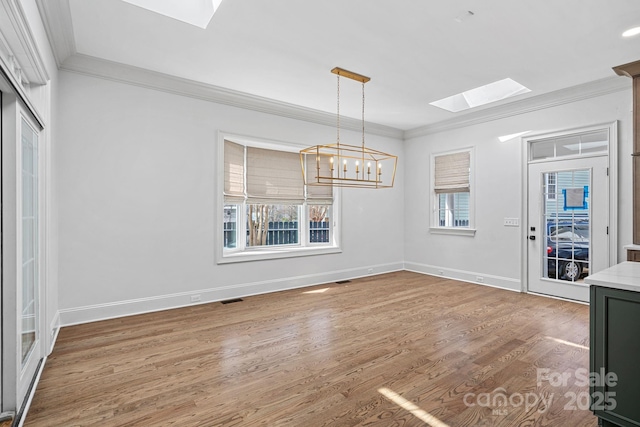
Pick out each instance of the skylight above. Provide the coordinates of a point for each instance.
(482, 95)
(194, 12)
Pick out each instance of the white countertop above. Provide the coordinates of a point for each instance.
(625, 275)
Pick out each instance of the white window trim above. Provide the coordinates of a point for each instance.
(304, 248)
(433, 198)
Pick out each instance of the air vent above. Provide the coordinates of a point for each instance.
(229, 301)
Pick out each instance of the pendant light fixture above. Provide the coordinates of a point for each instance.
(344, 165)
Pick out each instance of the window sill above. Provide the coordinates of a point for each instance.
(470, 232)
(276, 253)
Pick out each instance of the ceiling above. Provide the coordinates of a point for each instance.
(415, 51)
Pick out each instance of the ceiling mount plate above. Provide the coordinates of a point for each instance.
(351, 75)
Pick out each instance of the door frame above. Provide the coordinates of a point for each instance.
(25, 81)
(13, 110)
(612, 127)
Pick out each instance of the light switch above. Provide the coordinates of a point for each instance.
(511, 222)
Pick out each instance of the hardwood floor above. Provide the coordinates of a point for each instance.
(399, 349)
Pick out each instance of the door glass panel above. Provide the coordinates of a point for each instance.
(566, 211)
(580, 144)
(28, 323)
(568, 146)
(595, 142)
(543, 150)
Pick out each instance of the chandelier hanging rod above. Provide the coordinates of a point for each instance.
(350, 75)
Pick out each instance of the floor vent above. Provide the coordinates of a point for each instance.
(229, 301)
(341, 282)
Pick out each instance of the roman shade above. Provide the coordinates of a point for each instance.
(452, 172)
(233, 172)
(273, 177)
(319, 194)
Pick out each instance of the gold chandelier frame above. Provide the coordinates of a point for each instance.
(344, 165)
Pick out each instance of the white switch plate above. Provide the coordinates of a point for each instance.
(511, 222)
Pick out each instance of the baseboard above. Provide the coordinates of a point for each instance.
(54, 329)
(466, 276)
(94, 313)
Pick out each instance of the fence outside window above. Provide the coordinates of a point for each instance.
(281, 233)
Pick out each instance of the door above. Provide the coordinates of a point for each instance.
(28, 301)
(22, 249)
(568, 202)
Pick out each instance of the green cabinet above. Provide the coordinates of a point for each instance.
(615, 356)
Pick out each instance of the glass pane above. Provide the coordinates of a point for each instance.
(578, 144)
(442, 219)
(29, 194)
(566, 253)
(270, 225)
(319, 223)
(461, 215)
(596, 142)
(453, 209)
(230, 226)
(568, 146)
(543, 150)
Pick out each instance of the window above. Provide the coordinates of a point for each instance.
(593, 142)
(453, 209)
(268, 212)
(550, 186)
(451, 189)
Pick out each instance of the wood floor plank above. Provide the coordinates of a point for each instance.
(326, 358)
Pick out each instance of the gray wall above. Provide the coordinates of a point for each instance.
(494, 253)
(137, 203)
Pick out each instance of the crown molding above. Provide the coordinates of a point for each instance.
(21, 49)
(568, 95)
(115, 71)
(56, 17)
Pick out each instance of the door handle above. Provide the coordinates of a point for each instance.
(532, 237)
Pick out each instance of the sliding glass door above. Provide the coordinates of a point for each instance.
(30, 261)
(22, 249)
